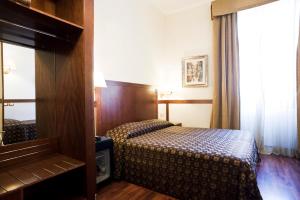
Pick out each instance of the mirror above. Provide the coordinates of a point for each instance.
(18, 108)
(1, 94)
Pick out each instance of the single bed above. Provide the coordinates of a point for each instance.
(186, 163)
(18, 131)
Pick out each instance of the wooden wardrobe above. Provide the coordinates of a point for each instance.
(61, 31)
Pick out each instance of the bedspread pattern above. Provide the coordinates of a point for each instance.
(190, 163)
(130, 130)
(18, 131)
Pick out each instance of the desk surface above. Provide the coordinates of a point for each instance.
(39, 170)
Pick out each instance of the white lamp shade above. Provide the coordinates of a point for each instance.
(8, 67)
(99, 80)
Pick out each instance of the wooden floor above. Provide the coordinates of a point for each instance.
(278, 179)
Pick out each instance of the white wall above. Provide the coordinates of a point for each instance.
(129, 37)
(188, 33)
(135, 42)
(20, 83)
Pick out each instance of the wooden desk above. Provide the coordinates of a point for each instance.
(15, 179)
(25, 165)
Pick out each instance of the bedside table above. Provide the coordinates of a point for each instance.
(177, 124)
(104, 157)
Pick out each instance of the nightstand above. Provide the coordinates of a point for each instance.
(104, 157)
(177, 124)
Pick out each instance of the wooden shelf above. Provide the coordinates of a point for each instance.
(33, 25)
(62, 33)
(39, 12)
(20, 177)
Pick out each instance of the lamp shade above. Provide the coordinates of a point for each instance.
(99, 80)
(8, 67)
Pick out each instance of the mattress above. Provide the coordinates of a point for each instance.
(188, 163)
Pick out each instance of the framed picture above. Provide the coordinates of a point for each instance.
(195, 71)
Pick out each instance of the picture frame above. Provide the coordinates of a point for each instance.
(195, 71)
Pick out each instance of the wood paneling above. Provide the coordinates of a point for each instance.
(89, 128)
(45, 92)
(124, 102)
(47, 6)
(70, 99)
(74, 97)
(223, 7)
(194, 101)
(72, 11)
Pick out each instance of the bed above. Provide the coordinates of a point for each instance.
(18, 131)
(186, 163)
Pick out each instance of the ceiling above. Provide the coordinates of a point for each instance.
(173, 6)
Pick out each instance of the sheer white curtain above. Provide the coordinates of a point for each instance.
(268, 37)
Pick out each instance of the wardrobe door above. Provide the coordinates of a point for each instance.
(1, 92)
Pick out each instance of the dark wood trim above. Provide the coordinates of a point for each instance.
(89, 128)
(126, 84)
(19, 100)
(194, 101)
(167, 111)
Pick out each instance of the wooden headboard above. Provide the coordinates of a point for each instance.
(124, 102)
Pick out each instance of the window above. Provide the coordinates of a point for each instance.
(268, 38)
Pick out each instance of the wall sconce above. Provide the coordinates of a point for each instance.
(165, 93)
(99, 80)
(9, 104)
(9, 67)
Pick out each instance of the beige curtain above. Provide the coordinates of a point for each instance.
(226, 100)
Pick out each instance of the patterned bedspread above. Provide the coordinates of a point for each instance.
(18, 131)
(191, 163)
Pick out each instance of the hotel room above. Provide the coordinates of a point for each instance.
(149, 99)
